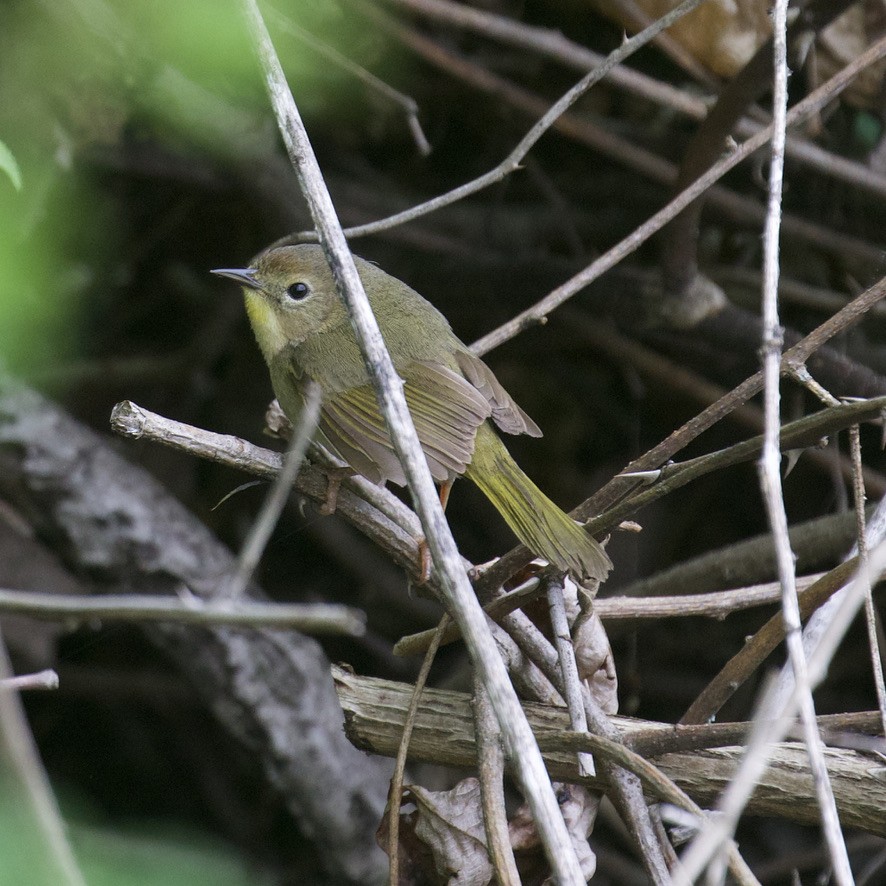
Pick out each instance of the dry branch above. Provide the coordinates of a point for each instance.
(443, 733)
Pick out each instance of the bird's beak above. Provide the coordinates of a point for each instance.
(244, 276)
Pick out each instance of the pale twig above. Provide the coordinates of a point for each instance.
(47, 679)
(554, 45)
(706, 848)
(803, 432)
(406, 102)
(490, 769)
(870, 613)
(31, 784)
(314, 618)
(527, 763)
(814, 102)
(746, 210)
(396, 789)
(717, 604)
(568, 667)
(264, 523)
(512, 162)
(373, 509)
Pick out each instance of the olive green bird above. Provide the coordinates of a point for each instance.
(454, 398)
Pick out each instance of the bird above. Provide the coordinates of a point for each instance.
(457, 404)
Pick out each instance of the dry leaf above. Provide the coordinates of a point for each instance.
(593, 654)
(450, 825)
(721, 34)
(579, 807)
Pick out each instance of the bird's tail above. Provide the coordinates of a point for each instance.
(535, 519)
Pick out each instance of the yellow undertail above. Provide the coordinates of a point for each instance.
(545, 529)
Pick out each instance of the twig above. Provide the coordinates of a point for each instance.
(770, 464)
(526, 760)
(264, 523)
(512, 162)
(807, 431)
(31, 785)
(396, 790)
(814, 102)
(314, 618)
(623, 151)
(47, 679)
(371, 508)
(568, 666)
(554, 45)
(718, 604)
(406, 102)
(870, 613)
(490, 769)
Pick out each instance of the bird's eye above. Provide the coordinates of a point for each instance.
(298, 291)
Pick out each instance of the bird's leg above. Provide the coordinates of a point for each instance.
(424, 553)
(334, 477)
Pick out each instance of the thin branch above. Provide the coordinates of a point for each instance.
(264, 523)
(568, 667)
(405, 102)
(490, 769)
(396, 790)
(527, 763)
(804, 109)
(806, 431)
(31, 784)
(314, 618)
(554, 45)
(512, 162)
(372, 509)
(47, 679)
(770, 466)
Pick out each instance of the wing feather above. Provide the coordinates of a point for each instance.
(446, 410)
(505, 411)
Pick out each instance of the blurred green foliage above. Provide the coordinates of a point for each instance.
(134, 855)
(81, 76)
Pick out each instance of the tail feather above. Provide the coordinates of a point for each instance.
(543, 527)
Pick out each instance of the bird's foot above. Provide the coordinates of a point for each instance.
(334, 478)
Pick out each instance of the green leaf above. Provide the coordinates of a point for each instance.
(10, 167)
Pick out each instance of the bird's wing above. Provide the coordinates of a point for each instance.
(446, 410)
(505, 412)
